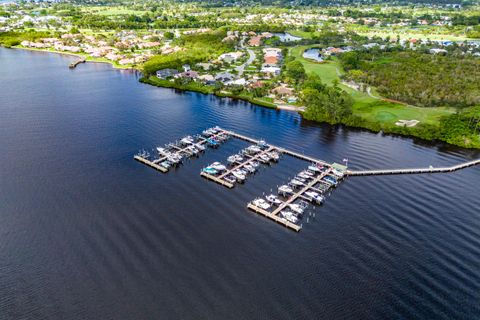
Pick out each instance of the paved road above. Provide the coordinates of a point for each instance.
(251, 58)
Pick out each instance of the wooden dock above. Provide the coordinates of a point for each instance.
(413, 170)
(274, 215)
(217, 180)
(279, 149)
(76, 63)
(150, 164)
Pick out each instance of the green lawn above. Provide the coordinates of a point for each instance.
(365, 106)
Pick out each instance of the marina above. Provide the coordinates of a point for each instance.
(308, 187)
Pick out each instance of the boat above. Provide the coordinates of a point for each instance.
(308, 173)
(162, 151)
(288, 215)
(253, 149)
(212, 142)
(285, 190)
(314, 197)
(300, 179)
(338, 173)
(296, 208)
(234, 158)
(262, 144)
(331, 180)
(273, 199)
(218, 166)
(261, 203)
(230, 179)
(239, 175)
(274, 156)
(199, 147)
(314, 168)
(296, 183)
(255, 164)
(193, 150)
(210, 170)
(166, 164)
(250, 168)
(187, 140)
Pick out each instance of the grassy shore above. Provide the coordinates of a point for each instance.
(205, 89)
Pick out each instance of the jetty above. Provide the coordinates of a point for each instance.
(430, 169)
(76, 63)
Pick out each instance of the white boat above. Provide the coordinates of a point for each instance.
(232, 159)
(166, 164)
(274, 156)
(162, 151)
(255, 164)
(273, 199)
(285, 189)
(314, 168)
(296, 183)
(186, 140)
(261, 203)
(262, 144)
(338, 173)
(298, 209)
(314, 197)
(252, 150)
(218, 166)
(239, 175)
(308, 173)
(230, 179)
(199, 147)
(250, 168)
(288, 215)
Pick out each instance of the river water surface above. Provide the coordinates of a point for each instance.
(86, 232)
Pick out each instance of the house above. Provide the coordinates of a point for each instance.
(270, 70)
(204, 65)
(166, 73)
(224, 77)
(272, 51)
(283, 91)
(255, 41)
(270, 60)
(438, 51)
(230, 56)
(207, 79)
(190, 74)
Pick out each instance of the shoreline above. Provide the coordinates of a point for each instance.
(412, 133)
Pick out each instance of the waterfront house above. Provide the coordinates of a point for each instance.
(283, 91)
(224, 77)
(207, 79)
(166, 73)
(190, 74)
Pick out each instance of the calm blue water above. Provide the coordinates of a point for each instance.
(88, 233)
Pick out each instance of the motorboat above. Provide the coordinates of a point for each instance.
(239, 175)
(253, 149)
(166, 164)
(174, 158)
(296, 183)
(314, 197)
(299, 178)
(261, 203)
(255, 164)
(143, 154)
(162, 151)
(285, 189)
(338, 173)
(273, 199)
(308, 173)
(218, 166)
(331, 180)
(250, 168)
(212, 142)
(210, 170)
(232, 159)
(187, 140)
(288, 215)
(231, 179)
(199, 147)
(274, 156)
(314, 168)
(296, 208)
(193, 150)
(262, 144)
(263, 158)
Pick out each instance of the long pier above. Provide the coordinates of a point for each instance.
(150, 164)
(76, 63)
(413, 170)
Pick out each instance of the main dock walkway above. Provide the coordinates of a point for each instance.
(413, 170)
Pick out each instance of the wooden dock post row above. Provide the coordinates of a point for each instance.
(413, 170)
(150, 164)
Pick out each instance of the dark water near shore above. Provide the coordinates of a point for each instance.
(88, 233)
